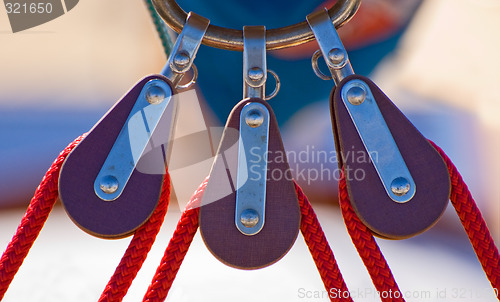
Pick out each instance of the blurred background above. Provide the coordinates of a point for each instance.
(436, 59)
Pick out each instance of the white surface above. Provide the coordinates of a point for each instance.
(66, 264)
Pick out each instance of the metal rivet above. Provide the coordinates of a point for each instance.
(109, 184)
(255, 74)
(400, 186)
(254, 118)
(336, 56)
(249, 218)
(155, 95)
(356, 95)
(182, 59)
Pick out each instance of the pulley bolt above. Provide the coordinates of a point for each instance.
(155, 95)
(336, 56)
(109, 184)
(356, 95)
(255, 74)
(254, 118)
(400, 186)
(182, 59)
(249, 218)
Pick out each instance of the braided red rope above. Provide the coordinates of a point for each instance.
(469, 214)
(368, 249)
(320, 250)
(32, 223)
(137, 251)
(176, 249)
(188, 225)
(37, 214)
(47, 193)
(473, 223)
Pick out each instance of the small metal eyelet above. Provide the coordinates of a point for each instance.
(276, 88)
(192, 81)
(315, 67)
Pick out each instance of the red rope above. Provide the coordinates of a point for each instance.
(37, 214)
(321, 251)
(176, 249)
(368, 249)
(137, 251)
(188, 225)
(32, 223)
(47, 193)
(469, 214)
(473, 223)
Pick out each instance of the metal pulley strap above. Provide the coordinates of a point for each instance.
(186, 46)
(232, 39)
(147, 113)
(331, 47)
(133, 139)
(254, 62)
(254, 135)
(251, 191)
(364, 112)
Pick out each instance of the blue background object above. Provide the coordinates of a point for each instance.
(221, 70)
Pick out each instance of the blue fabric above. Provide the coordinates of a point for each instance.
(220, 71)
(237, 13)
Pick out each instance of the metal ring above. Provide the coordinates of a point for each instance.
(192, 81)
(276, 38)
(276, 88)
(314, 62)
